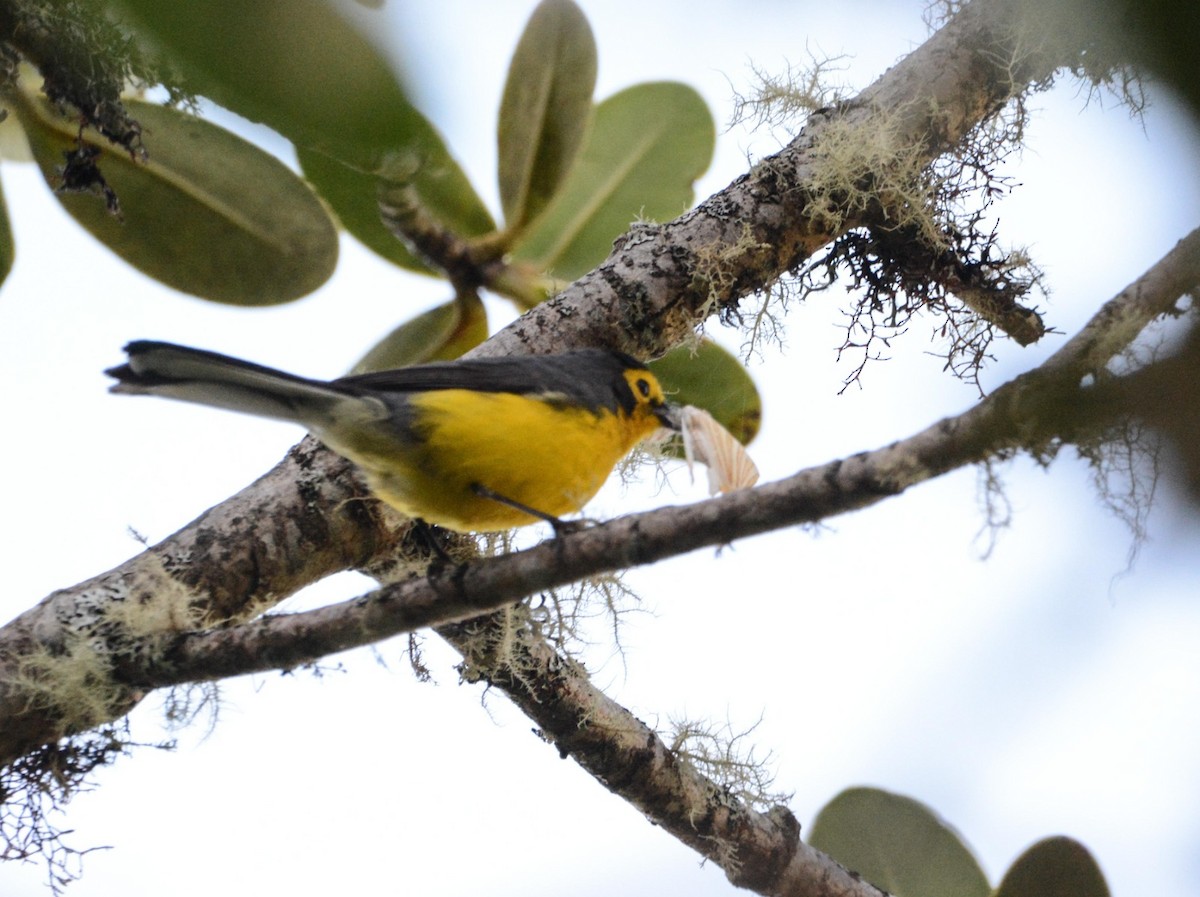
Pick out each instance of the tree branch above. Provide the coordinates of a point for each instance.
(1024, 413)
(309, 517)
(661, 282)
(305, 519)
(302, 520)
(761, 851)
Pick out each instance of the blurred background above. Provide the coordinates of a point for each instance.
(1049, 688)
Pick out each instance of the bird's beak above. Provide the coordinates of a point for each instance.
(669, 416)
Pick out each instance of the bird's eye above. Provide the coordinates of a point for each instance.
(643, 386)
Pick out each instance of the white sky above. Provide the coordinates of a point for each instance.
(1035, 693)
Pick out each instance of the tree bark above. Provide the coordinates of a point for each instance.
(309, 517)
(1047, 403)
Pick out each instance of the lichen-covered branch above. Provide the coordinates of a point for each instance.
(185, 609)
(307, 518)
(762, 851)
(772, 216)
(296, 524)
(86, 61)
(759, 850)
(1047, 403)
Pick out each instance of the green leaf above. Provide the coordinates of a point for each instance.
(354, 197)
(207, 213)
(440, 334)
(646, 147)
(709, 377)
(545, 108)
(897, 844)
(297, 67)
(1054, 867)
(301, 69)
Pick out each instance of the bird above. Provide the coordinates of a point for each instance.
(472, 445)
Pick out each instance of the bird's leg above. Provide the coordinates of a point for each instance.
(561, 527)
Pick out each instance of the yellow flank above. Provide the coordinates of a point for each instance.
(541, 452)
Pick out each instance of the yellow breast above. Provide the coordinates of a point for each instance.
(547, 455)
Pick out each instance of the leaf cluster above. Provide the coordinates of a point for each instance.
(903, 847)
(202, 210)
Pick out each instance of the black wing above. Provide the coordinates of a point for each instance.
(590, 377)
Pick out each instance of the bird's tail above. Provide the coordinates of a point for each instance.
(207, 378)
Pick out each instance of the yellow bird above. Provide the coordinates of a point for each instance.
(472, 445)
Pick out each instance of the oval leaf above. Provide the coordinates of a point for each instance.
(297, 67)
(707, 376)
(440, 334)
(545, 108)
(354, 197)
(897, 844)
(646, 147)
(1054, 867)
(301, 69)
(208, 213)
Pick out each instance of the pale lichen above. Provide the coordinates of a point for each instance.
(727, 757)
